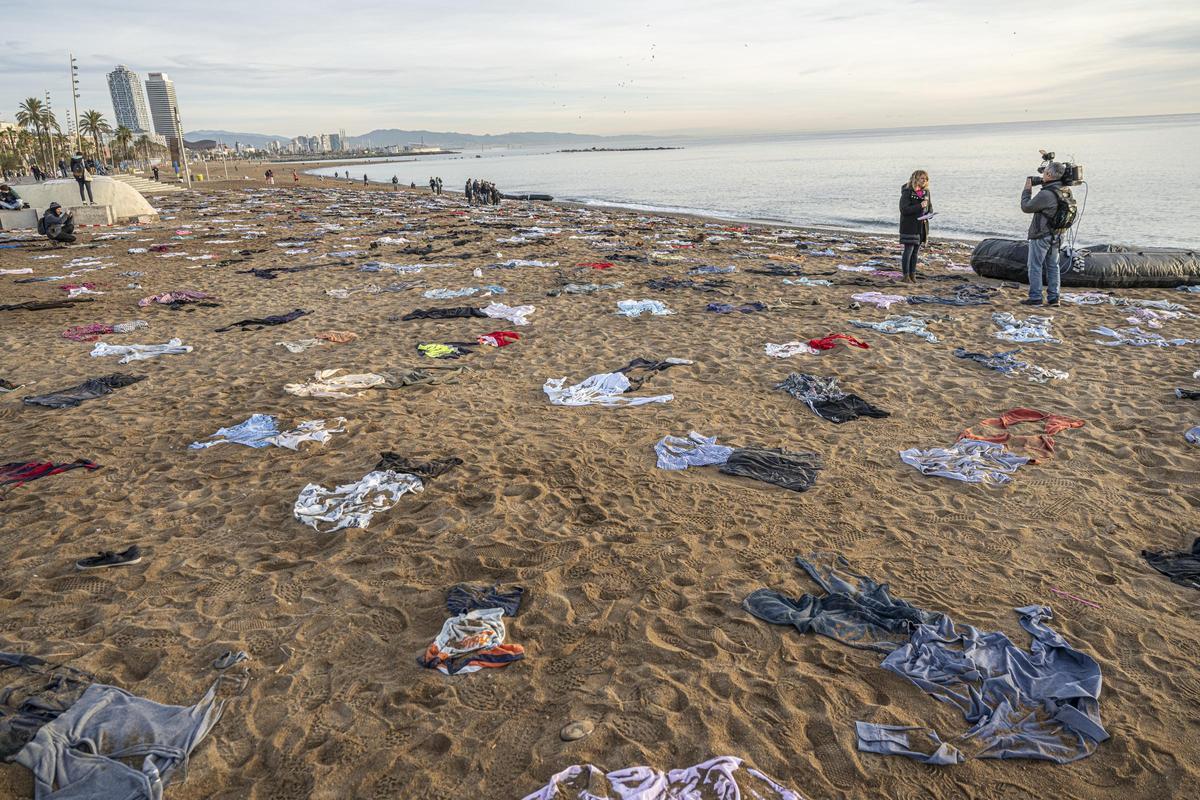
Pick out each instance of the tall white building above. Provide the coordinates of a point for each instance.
(160, 90)
(129, 103)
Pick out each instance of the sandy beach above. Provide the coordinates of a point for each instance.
(634, 576)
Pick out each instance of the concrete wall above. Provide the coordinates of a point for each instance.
(126, 202)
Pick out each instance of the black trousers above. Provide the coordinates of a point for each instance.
(82, 183)
(909, 261)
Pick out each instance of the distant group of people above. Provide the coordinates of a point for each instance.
(482, 193)
(435, 185)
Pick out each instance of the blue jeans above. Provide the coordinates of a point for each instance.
(1044, 253)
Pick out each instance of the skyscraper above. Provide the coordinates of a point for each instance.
(160, 90)
(129, 104)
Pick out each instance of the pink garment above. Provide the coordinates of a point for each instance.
(87, 333)
(881, 300)
(720, 778)
(183, 296)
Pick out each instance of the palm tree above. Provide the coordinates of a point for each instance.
(93, 124)
(143, 146)
(31, 114)
(121, 141)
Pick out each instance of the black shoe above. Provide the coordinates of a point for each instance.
(110, 559)
(1053, 302)
(1031, 302)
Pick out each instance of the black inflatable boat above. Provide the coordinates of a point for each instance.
(527, 197)
(1102, 266)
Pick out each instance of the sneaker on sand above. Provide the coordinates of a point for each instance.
(1031, 302)
(108, 558)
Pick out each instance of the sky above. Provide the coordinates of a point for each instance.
(698, 67)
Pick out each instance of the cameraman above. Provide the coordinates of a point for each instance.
(1044, 241)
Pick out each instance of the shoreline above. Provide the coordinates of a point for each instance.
(712, 216)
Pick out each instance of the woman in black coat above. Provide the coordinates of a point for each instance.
(915, 202)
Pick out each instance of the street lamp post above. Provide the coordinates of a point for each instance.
(75, 102)
(187, 172)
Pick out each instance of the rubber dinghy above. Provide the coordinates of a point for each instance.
(1105, 266)
(526, 197)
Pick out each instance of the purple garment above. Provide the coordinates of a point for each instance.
(720, 778)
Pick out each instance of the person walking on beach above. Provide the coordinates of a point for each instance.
(439, 185)
(154, 169)
(916, 205)
(364, 179)
(395, 183)
(295, 177)
(269, 174)
(432, 186)
(467, 191)
(62, 168)
(1044, 240)
(83, 176)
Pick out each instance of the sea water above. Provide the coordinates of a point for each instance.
(1142, 173)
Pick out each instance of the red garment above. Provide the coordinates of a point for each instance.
(66, 287)
(831, 340)
(1036, 444)
(17, 473)
(598, 264)
(499, 338)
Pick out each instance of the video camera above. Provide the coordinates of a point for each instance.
(1072, 173)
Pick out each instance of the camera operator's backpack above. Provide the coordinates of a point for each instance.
(1065, 212)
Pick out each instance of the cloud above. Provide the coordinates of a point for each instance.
(624, 66)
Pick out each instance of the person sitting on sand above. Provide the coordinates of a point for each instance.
(915, 202)
(9, 200)
(57, 224)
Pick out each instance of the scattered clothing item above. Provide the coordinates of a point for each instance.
(1138, 338)
(1041, 704)
(878, 299)
(444, 349)
(746, 308)
(353, 505)
(45, 305)
(1151, 318)
(1182, 567)
(443, 313)
(968, 294)
(517, 315)
(583, 288)
(140, 352)
(609, 388)
(36, 692)
(830, 341)
(177, 298)
(966, 460)
(794, 471)
(423, 469)
(1193, 435)
(261, 430)
(1040, 445)
(107, 558)
(635, 308)
(470, 642)
(710, 270)
(827, 400)
(469, 291)
(464, 597)
(498, 338)
(789, 349)
(19, 473)
(904, 323)
(1182, 394)
(337, 337)
(1032, 329)
(720, 778)
(1008, 364)
(257, 323)
(696, 450)
(667, 284)
(79, 754)
(328, 383)
(804, 280)
(91, 333)
(88, 390)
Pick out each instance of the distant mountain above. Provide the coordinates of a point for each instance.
(230, 138)
(392, 136)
